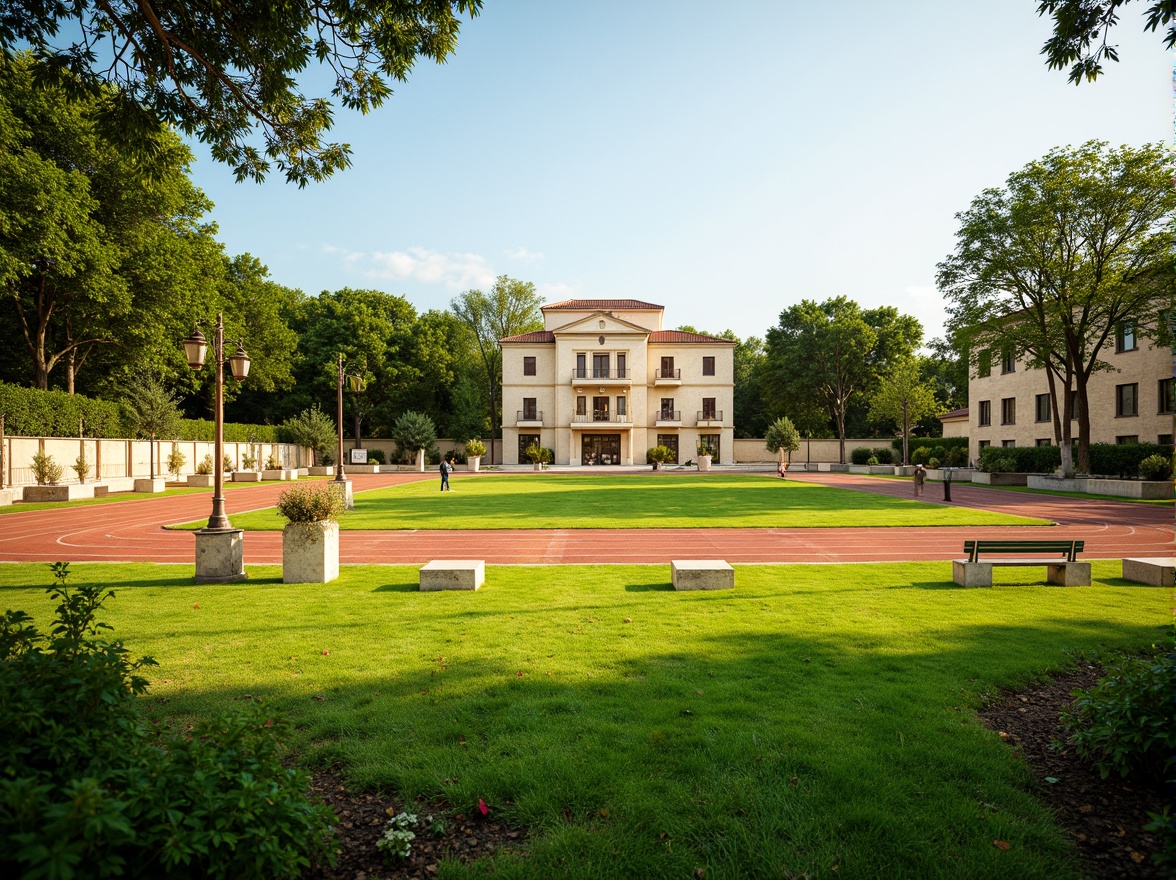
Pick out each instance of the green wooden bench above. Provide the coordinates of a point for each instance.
(1064, 569)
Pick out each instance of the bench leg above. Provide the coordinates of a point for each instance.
(971, 574)
(1069, 574)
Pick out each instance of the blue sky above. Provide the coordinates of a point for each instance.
(723, 160)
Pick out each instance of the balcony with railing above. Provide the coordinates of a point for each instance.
(600, 417)
(668, 418)
(667, 377)
(709, 417)
(601, 376)
(529, 418)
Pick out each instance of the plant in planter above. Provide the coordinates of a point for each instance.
(659, 455)
(205, 466)
(249, 461)
(176, 461)
(227, 465)
(872, 460)
(475, 448)
(273, 463)
(1155, 467)
(310, 540)
(81, 467)
(46, 471)
(535, 454)
(933, 462)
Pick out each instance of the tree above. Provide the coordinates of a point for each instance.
(905, 397)
(782, 436)
(1076, 245)
(152, 411)
(511, 307)
(313, 429)
(1081, 24)
(413, 431)
(821, 356)
(100, 261)
(219, 72)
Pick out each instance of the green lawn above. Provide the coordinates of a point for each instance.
(669, 501)
(1160, 502)
(817, 721)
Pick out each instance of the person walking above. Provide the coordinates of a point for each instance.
(445, 469)
(920, 476)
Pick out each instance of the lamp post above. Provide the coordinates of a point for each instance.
(339, 476)
(220, 555)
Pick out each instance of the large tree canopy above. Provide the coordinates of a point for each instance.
(222, 71)
(1082, 28)
(1052, 265)
(821, 356)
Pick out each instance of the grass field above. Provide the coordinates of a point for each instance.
(817, 721)
(668, 501)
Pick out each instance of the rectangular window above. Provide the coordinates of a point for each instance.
(1042, 406)
(984, 364)
(1167, 396)
(622, 367)
(708, 408)
(622, 407)
(1164, 439)
(984, 444)
(600, 366)
(526, 440)
(667, 369)
(711, 443)
(528, 366)
(1008, 411)
(667, 409)
(1127, 439)
(708, 366)
(581, 366)
(1041, 441)
(1127, 399)
(530, 410)
(1125, 337)
(670, 442)
(984, 419)
(1008, 443)
(581, 405)
(1008, 361)
(600, 409)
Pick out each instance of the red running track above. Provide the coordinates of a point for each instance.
(132, 531)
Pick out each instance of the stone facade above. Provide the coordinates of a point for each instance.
(603, 382)
(1131, 402)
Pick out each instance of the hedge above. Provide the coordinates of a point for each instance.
(29, 412)
(929, 442)
(1112, 459)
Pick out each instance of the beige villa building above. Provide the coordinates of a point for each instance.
(603, 382)
(1134, 402)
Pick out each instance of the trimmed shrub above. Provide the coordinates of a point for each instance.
(376, 455)
(1155, 467)
(884, 455)
(920, 455)
(203, 429)
(205, 466)
(859, 455)
(305, 504)
(96, 789)
(475, 447)
(29, 412)
(81, 467)
(176, 461)
(45, 470)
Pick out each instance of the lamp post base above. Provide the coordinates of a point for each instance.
(220, 556)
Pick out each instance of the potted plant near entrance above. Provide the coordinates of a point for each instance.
(310, 540)
(537, 455)
(660, 455)
(475, 449)
(704, 456)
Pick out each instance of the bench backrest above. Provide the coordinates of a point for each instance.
(1070, 549)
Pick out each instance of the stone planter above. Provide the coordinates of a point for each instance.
(363, 468)
(832, 468)
(704, 462)
(321, 470)
(538, 465)
(989, 479)
(61, 492)
(904, 470)
(6, 497)
(310, 552)
(1143, 489)
(200, 481)
(474, 462)
(152, 486)
(280, 474)
(246, 477)
(871, 469)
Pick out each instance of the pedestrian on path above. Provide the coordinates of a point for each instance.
(445, 469)
(920, 476)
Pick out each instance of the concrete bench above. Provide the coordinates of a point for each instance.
(1065, 572)
(701, 574)
(1157, 572)
(453, 574)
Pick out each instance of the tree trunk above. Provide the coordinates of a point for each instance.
(906, 432)
(357, 421)
(71, 370)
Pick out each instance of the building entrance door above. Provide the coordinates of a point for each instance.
(601, 449)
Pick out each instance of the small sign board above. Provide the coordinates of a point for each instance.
(359, 456)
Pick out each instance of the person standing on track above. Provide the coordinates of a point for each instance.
(919, 477)
(445, 469)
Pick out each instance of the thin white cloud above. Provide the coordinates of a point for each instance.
(522, 255)
(556, 292)
(454, 271)
(351, 257)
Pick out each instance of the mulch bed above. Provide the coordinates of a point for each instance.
(1105, 817)
(363, 816)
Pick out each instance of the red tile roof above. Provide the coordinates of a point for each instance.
(956, 414)
(604, 304)
(533, 336)
(680, 336)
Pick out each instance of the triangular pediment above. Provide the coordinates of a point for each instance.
(600, 322)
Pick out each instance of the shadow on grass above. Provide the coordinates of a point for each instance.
(666, 587)
(406, 587)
